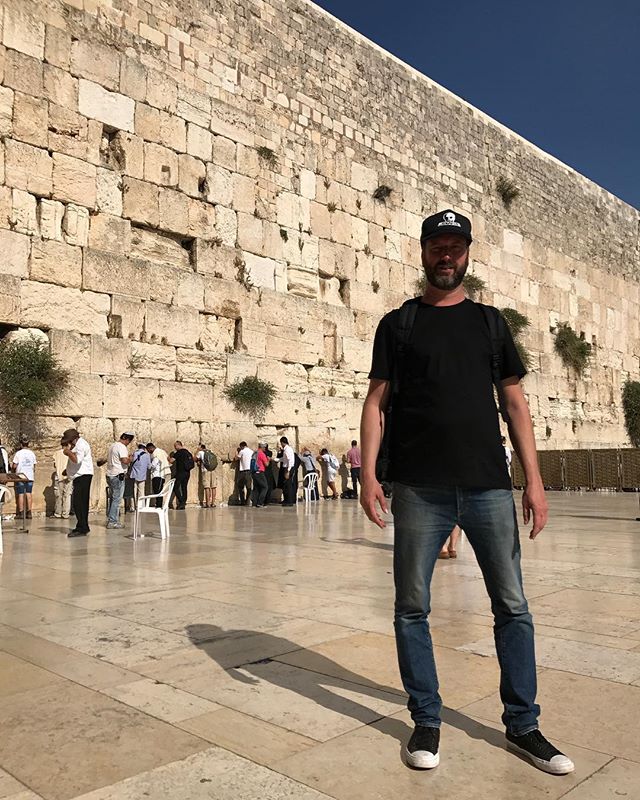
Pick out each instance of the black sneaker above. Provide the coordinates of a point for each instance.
(422, 750)
(542, 753)
(73, 534)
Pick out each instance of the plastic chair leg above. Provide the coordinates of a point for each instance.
(163, 529)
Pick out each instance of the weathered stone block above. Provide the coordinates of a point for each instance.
(98, 63)
(109, 192)
(74, 180)
(57, 47)
(111, 108)
(302, 281)
(200, 367)
(24, 216)
(50, 216)
(244, 193)
(356, 354)
(30, 119)
(191, 175)
(81, 396)
(211, 258)
(224, 154)
(55, 262)
(109, 272)
(109, 356)
(75, 225)
(217, 334)
(6, 111)
(15, 254)
(184, 401)
(363, 178)
(199, 142)
(23, 29)
(250, 233)
(260, 271)
(9, 300)
(173, 325)
(160, 165)
(29, 168)
(132, 398)
(159, 247)
(226, 226)
(202, 219)
(293, 211)
(320, 220)
(23, 73)
(72, 350)
(219, 185)
(226, 298)
(127, 154)
(133, 79)
(174, 211)
(152, 361)
(141, 201)
(47, 306)
(110, 234)
(127, 316)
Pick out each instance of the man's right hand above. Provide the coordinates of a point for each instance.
(370, 494)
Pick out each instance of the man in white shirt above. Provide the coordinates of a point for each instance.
(331, 465)
(62, 485)
(243, 457)
(117, 460)
(160, 470)
(80, 470)
(24, 461)
(290, 486)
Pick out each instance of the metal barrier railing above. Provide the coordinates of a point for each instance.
(585, 469)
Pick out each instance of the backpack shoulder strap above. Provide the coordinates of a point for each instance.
(496, 324)
(406, 319)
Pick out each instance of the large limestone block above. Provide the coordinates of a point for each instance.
(212, 258)
(363, 178)
(109, 192)
(141, 201)
(173, 325)
(250, 233)
(23, 29)
(127, 154)
(82, 395)
(356, 354)
(327, 382)
(47, 306)
(55, 262)
(75, 225)
(287, 344)
(30, 119)
(197, 366)
(158, 247)
(285, 377)
(97, 62)
(29, 168)
(110, 272)
(6, 111)
(252, 337)
(186, 401)
(127, 316)
(134, 398)
(174, 211)
(219, 185)
(228, 298)
(72, 350)
(244, 193)
(226, 225)
(191, 175)
(217, 334)
(15, 254)
(9, 300)
(302, 281)
(293, 211)
(164, 433)
(74, 181)
(152, 361)
(98, 431)
(23, 73)
(109, 356)
(160, 165)
(202, 219)
(190, 290)
(199, 142)
(260, 271)
(110, 233)
(24, 217)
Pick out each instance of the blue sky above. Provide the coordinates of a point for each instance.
(565, 74)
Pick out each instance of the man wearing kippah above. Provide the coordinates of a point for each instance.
(437, 360)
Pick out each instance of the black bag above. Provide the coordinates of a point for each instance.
(406, 319)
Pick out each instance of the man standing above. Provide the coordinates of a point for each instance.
(259, 493)
(243, 457)
(183, 461)
(160, 470)
(117, 461)
(354, 460)
(446, 411)
(138, 471)
(290, 485)
(62, 485)
(24, 461)
(208, 462)
(80, 470)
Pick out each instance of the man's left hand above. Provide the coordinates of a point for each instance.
(534, 502)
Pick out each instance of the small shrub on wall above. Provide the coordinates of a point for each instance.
(30, 377)
(251, 396)
(517, 324)
(631, 410)
(573, 350)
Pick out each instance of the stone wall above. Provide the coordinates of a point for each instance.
(188, 197)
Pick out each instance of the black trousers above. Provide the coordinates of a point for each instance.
(355, 478)
(180, 489)
(290, 489)
(259, 493)
(80, 500)
(156, 488)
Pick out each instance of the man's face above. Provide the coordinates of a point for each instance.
(445, 259)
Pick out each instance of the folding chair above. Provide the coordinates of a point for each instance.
(144, 507)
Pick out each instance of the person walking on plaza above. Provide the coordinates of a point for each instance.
(62, 485)
(354, 461)
(118, 460)
(435, 363)
(290, 476)
(260, 464)
(208, 462)
(24, 462)
(138, 471)
(183, 461)
(160, 470)
(80, 470)
(243, 457)
(331, 465)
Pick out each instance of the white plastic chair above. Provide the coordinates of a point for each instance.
(310, 485)
(144, 507)
(3, 491)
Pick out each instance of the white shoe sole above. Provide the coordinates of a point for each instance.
(422, 759)
(561, 767)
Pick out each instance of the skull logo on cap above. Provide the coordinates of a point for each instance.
(449, 217)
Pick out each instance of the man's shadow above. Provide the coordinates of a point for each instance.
(321, 676)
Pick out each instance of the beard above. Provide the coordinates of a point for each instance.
(446, 282)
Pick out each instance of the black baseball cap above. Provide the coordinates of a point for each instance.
(446, 221)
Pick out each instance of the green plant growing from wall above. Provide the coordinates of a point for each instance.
(267, 154)
(631, 410)
(507, 190)
(517, 324)
(30, 376)
(572, 349)
(251, 396)
(382, 192)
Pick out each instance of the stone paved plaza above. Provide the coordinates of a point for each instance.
(251, 656)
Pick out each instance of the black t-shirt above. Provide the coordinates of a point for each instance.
(445, 428)
(183, 461)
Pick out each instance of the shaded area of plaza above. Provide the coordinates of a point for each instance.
(252, 655)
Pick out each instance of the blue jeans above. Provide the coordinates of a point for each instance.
(116, 487)
(423, 518)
